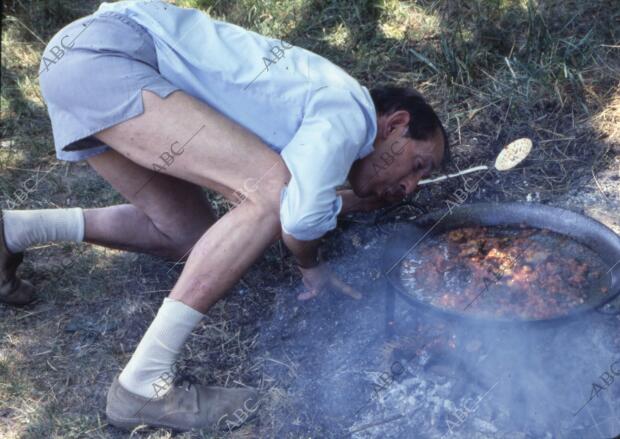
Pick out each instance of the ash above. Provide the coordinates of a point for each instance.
(536, 381)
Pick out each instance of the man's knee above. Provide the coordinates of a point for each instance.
(266, 211)
(180, 240)
(265, 191)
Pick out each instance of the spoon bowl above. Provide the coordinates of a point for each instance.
(509, 157)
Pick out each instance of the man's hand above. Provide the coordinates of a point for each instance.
(319, 279)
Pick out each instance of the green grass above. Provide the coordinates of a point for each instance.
(494, 69)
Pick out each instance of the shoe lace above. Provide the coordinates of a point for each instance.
(185, 378)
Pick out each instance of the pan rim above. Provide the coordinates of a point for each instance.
(563, 221)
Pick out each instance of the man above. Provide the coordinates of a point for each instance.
(163, 101)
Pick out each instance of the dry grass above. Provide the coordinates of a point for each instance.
(495, 69)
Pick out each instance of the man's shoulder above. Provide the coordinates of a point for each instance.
(350, 110)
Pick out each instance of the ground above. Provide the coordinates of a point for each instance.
(495, 70)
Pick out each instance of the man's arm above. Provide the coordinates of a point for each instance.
(306, 253)
(319, 158)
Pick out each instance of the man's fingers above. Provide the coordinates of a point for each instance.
(308, 295)
(345, 289)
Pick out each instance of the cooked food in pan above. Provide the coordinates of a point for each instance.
(503, 272)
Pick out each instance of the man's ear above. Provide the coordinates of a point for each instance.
(398, 120)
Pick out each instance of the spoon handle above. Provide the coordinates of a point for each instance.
(445, 177)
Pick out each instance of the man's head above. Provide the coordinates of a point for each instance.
(410, 144)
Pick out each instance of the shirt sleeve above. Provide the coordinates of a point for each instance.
(333, 131)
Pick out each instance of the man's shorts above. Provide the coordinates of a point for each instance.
(91, 76)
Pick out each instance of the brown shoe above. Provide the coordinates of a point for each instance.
(184, 407)
(13, 290)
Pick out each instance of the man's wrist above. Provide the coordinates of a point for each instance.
(306, 253)
(310, 262)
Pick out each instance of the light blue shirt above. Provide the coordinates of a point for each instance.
(317, 117)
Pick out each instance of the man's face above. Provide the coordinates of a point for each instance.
(393, 170)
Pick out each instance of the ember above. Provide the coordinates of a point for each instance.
(504, 272)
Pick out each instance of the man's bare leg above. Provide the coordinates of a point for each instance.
(219, 154)
(165, 218)
(213, 151)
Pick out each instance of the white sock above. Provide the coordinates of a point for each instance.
(149, 371)
(25, 228)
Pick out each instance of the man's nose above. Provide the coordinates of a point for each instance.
(410, 183)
